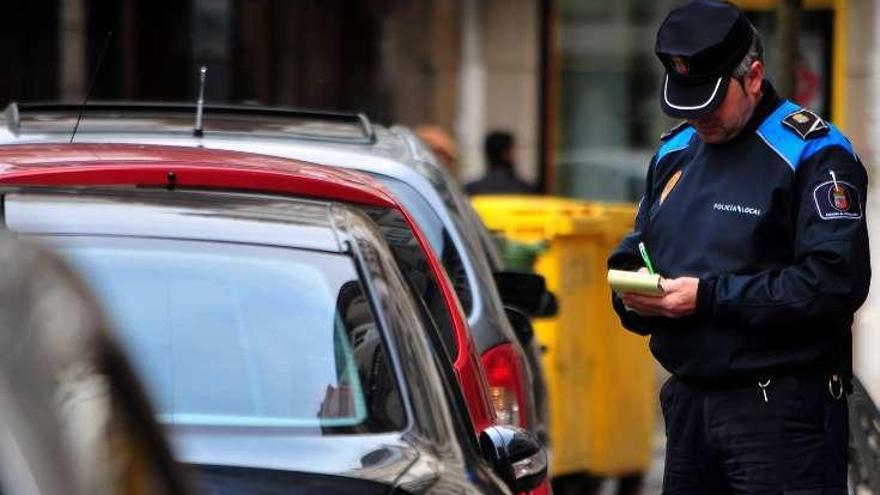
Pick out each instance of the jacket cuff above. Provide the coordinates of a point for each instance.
(706, 297)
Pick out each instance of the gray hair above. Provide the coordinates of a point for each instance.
(755, 53)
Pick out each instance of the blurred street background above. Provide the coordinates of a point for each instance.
(575, 81)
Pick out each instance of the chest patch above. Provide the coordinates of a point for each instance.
(737, 208)
(836, 200)
(670, 185)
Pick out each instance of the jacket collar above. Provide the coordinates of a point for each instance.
(770, 101)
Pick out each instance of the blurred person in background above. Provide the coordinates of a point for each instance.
(441, 144)
(500, 178)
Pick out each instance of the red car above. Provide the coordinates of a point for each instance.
(189, 168)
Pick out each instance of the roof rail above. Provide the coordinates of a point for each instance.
(15, 110)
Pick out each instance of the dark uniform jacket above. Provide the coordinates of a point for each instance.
(773, 224)
(499, 180)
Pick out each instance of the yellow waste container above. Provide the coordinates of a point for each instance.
(600, 377)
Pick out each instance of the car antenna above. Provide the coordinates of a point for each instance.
(91, 84)
(200, 103)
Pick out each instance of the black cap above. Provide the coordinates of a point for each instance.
(700, 44)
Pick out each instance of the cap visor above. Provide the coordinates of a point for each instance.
(691, 101)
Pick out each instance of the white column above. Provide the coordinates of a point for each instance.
(514, 77)
(471, 121)
(866, 352)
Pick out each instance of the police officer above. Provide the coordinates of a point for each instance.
(754, 215)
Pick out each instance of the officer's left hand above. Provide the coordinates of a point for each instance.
(679, 300)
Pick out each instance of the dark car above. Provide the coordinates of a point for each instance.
(277, 335)
(69, 402)
(277, 338)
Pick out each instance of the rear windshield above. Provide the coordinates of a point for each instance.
(439, 238)
(415, 267)
(246, 336)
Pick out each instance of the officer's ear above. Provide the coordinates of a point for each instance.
(754, 78)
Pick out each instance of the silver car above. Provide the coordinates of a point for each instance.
(392, 155)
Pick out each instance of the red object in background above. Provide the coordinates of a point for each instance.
(170, 167)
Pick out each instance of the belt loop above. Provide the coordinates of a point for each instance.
(834, 382)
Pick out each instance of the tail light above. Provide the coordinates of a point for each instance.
(543, 489)
(506, 384)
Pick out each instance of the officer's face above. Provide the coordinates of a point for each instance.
(733, 114)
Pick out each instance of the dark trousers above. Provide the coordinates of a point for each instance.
(730, 441)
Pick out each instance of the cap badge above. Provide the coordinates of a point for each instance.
(800, 118)
(680, 65)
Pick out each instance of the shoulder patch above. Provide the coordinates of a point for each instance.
(837, 200)
(666, 136)
(805, 124)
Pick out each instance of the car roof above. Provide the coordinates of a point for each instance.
(170, 166)
(319, 136)
(140, 116)
(28, 122)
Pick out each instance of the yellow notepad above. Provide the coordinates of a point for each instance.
(624, 282)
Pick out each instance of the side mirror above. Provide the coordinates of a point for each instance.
(526, 292)
(549, 305)
(521, 324)
(516, 456)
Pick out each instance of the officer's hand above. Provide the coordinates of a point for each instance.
(679, 300)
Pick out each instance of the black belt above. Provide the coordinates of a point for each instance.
(750, 379)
